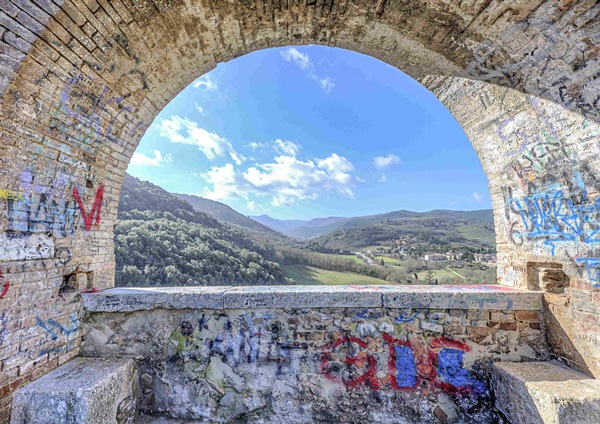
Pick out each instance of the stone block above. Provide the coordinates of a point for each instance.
(83, 391)
(545, 393)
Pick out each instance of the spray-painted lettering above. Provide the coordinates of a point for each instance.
(412, 365)
(89, 119)
(5, 285)
(95, 213)
(556, 218)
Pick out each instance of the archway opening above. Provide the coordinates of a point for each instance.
(321, 166)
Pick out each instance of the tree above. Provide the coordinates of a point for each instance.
(429, 277)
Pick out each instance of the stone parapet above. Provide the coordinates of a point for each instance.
(225, 297)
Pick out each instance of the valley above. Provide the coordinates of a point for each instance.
(173, 239)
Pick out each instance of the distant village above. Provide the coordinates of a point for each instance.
(411, 248)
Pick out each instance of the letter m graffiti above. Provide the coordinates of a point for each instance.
(88, 219)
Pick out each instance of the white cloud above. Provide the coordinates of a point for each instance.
(477, 197)
(303, 61)
(143, 160)
(206, 83)
(384, 161)
(286, 147)
(287, 180)
(181, 130)
(255, 207)
(199, 108)
(282, 147)
(224, 182)
(382, 179)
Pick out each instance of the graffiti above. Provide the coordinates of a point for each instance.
(89, 117)
(42, 209)
(592, 266)
(11, 195)
(60, 329)
(488, 51)
(556, 218)
(88, 220)
(5, 286)
(412, 365)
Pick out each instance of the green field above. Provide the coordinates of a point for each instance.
(439, 273)
(387, 260)
(353, 257)
(307, 275)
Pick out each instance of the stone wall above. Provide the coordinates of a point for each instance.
(545, 189)
(81, 80)
(301, 362)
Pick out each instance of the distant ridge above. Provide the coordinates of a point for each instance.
(322, 226)
(224, 213)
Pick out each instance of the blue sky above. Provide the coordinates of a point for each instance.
(311, 131)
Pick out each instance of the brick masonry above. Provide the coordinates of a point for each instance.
(80, 81)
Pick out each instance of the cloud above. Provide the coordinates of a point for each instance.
(181, 130)
(143, 160)
(205, 82)
(382, 179)
(287, 180)
(385, 161)
(255, 207)
(223, 180)
(303, 61)
(477, 197)
(286, 147)
(282, 147)
(199, 108)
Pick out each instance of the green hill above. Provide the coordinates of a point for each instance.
(160, 240)
(448, 229)
(224, 213)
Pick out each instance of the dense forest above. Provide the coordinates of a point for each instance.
(432, 231)
(161, 240)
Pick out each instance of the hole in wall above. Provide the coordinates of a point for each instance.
(547, 276)
(69, 284)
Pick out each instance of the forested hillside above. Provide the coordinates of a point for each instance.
(161, 240)
(224, 213)
(440, 229)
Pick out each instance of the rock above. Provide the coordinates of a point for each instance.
(545, 392)
(83, 391)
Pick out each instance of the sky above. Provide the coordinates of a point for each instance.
(311, 131)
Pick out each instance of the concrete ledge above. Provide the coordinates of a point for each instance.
(545, 393)
(442, 297)
(84, 390)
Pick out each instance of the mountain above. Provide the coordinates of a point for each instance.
(161, 240)
(300, 228)
(323, 226)
(224, 213)
(284, 226)
(451, 229)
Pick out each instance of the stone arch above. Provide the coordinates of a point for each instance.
(81, 80)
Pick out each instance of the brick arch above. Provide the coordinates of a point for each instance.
(81, 80)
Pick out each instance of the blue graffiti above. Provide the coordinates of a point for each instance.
(592, 266)
(556, 218)
(406, 370)
(402, 319)
(69, 332)
(450, 370)
(62, 329)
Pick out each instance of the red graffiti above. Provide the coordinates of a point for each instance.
(96, 207)
(412, 365)
(361, 367)
(5, 286)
